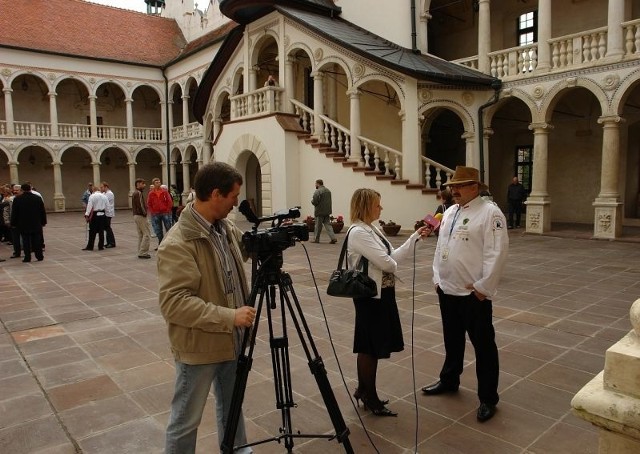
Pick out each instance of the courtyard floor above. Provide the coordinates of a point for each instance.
(85, 364)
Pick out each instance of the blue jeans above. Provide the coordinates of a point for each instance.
(192, 387)
(156, 222)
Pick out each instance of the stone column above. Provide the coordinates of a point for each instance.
(163, 120)
(165, 171)
(207, 151)
(96, 173)
(58, 196)
(318, 105)
(544, 35)
(53, 114)
(354, 122)
(332, 93)
(412, 167)
(253, 79)
(8, 109)
(185, 114)
(129, 105)
(170, 125)
(13, 172)
(93, 116)
(289, 85)
(470, 149)
(423, 28)
(172, 171)
(186, 181)
(608, 208)
(538, 203)
(615, 35)
(484, 36)
(611, 400)
(486, 136)
(132, 179)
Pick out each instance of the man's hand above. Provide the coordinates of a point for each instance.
(245, 316)
(477, 294)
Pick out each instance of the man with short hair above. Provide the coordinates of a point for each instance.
(86, 194)
(322, 212)
(140, 219)
(202, 290)
(95, 215)
(15, 233)
(28, 216)
(516, 195)
(110, 212)
(159, 206)
(468, 262)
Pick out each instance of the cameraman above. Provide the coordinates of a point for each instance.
(202, 291)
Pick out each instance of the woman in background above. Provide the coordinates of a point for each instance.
(377, 329)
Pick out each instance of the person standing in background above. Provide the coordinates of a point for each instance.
(140, 219)
(159, 207)
(322, 211)
(110, 212)
(95, 215)
(28, 216)
(516, 195)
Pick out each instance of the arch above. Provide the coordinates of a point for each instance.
(623, 91)
(110, 146)
(387, 80)
(75, 145)
(6, 152)
(134, 153)
(116, 82)
(158, 91)
(172, 88)
(254, 51)
(465, 116)
(249, 142)
(335, 59)
(554, 95)
(44, 146)
(24, 72)
(63, 77)
(304, 47)
(505, 97)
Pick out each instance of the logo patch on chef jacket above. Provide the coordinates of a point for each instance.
(497, 223)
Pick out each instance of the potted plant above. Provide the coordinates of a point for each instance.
(337, 223)
(311, 223)
(390, 228)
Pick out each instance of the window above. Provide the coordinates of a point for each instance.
(524, 165)
(527, 28)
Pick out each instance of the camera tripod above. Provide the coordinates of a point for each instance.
(266, 279)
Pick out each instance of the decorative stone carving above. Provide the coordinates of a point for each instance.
(534, 219)
(129, 84)
(92, 80)
(358, 70)
(318, 53)
(604, 219)
(611, 81)
(572, 81)
(425, 95)
(228, 81)
(51, 76)
(6, 72)
(287, 41)
(467, 98)
(538, 92)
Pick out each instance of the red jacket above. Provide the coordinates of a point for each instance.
(159, 202)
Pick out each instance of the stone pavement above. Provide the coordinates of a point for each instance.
(85, 365)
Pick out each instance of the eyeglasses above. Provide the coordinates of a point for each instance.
(461, 185)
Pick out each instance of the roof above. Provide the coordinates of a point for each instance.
(89, 30)
(424, 67)
(207, 39)
(246, 11)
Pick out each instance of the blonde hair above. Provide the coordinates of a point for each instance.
(362, 204)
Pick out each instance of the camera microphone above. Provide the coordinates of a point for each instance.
(248, 213)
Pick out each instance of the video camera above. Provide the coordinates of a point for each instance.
(280, 236)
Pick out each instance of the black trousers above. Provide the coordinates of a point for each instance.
(515, 207)
(15, 239)
(32, 242)
(467, 314)
(96, 226)
(107, 230)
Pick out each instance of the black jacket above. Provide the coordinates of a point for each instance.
(28, 213)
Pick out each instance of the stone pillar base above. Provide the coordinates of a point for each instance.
(538, 215)
(615, 443)
(59, 203)
(607, 222)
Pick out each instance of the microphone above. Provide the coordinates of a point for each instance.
(248, 213)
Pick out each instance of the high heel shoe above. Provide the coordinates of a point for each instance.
(357, 395)
(377, 407)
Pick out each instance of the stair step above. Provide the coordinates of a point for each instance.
(334, 154)
(319, 145)
(384, 177)
(303, 136)
(400, 182)
(328, 150)
(310, 140)
(349, 163)
(415, 186)
(373, 172)
(429, 190)
(339, 158)
(361, 169)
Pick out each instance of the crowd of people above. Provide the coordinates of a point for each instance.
(203, 288)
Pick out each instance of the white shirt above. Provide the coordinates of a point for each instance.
(98, 203)
(472, 249)
(110, 211)
(366, 240)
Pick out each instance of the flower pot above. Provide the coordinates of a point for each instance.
(391, 230)
(337, 226)
(311, 225)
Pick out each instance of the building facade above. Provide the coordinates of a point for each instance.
(393, 99)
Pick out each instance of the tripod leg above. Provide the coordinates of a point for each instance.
(242, 374)
(316, 365)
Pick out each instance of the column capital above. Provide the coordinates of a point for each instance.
(131, 163)
(541, 127)
(354, 93)
(403, 115)
(7, 90)
(468, 136)
(289, 60)
(487, 132)
(92, 97)
(128, 100)
(317, 75)
(52, 94)
(185, 97)
(56, 163)
(610, 119)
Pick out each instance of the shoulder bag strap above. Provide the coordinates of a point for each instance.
(343, 253)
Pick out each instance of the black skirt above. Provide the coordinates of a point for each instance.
(378, 331)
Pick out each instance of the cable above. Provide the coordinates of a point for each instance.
(413, 365)
(333, 348)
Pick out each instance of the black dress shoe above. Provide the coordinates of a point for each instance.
(110, 246)
(26, 260)
(87, 249)
(438, 388)
(485, 412)
(14, 256)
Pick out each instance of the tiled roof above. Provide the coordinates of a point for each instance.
(208, 39)
(79, 28)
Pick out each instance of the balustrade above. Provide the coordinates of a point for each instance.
(632, 37)
(263, 101)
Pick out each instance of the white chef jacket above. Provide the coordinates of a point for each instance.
(98, 203)
(472, 248)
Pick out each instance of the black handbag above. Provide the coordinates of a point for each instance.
(348, 283)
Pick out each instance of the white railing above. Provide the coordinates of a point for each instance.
(578, 48)
(631, 32)
(147, 134)
(177, 132)
(469, 62)
(262, 101)
(305, 114)
(112, 132)
(194, 129)
(74, 131)
(513, 62)
(435, 175)
(3, 127)
(381, 158)
(32, 129)
(333, 133)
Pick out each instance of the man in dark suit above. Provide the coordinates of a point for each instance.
(28, 216)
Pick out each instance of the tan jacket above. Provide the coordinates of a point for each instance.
(200, 317)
